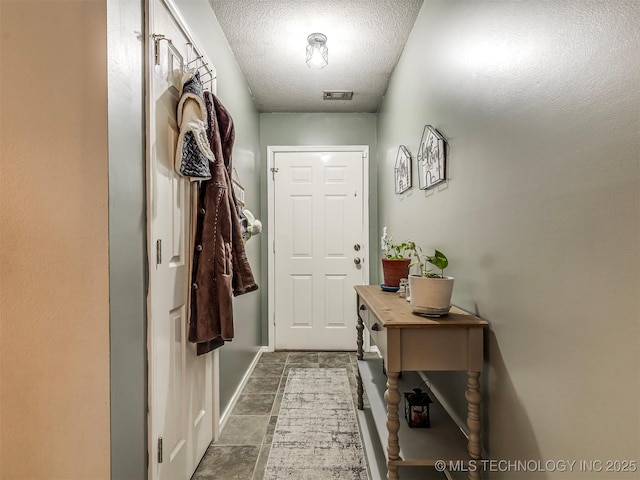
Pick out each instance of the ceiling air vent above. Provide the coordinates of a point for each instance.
(337, 95)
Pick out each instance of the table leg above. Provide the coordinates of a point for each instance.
(392, 397)
(474, 399)
(359, 342)
(360, 355)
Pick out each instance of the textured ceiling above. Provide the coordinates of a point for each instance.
(269, 37)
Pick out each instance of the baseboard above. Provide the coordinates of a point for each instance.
(234, 399)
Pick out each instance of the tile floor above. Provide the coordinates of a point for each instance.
(242, 450)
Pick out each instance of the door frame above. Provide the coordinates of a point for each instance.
(271, 153)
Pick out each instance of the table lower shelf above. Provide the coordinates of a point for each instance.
(418, 446)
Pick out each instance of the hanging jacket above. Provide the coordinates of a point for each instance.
(220, 268)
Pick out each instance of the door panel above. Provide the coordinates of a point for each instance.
(180, 382)
(318, 211)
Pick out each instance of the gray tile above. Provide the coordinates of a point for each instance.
(242, 451)
(262, 462)
(273, 357)
(244, 430)
(268, 370)
(365, 402)
(254, 404)
(262, 385)
(221, 463)
(302, 357)
(268, 438)
(333, 358)
(277, 403)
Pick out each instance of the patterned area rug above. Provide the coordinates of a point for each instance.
(316, 436)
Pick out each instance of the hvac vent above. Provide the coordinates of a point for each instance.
(337, 95)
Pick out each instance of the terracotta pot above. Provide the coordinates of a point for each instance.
(430, 296)
(394, 270)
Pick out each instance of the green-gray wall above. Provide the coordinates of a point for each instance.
(127, 222)
(283, 129)
(233, 92)
(540, 105)
(127, 240)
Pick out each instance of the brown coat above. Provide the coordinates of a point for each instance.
(220, 267)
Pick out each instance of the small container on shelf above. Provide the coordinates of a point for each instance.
(416, 408)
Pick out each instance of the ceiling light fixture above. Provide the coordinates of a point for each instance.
(317, 51)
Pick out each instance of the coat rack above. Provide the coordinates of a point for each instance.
(201, 63)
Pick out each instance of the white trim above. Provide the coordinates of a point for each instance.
(236, 395)
(271, 152)
(215, 381)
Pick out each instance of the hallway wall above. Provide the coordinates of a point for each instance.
(127, 240)
(317, 129)
(540, 105)
(235, 356)
(54, 265)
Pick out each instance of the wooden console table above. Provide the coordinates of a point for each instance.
(411, 343)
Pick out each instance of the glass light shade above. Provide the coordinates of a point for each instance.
(317, 51)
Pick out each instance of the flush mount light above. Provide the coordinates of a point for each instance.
(317, 51)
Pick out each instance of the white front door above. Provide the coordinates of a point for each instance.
(180, 382)
(319, 249)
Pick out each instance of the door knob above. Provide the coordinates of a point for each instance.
(356, 247)
(356, 260)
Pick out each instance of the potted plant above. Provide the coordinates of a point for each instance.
(430, 292)
(395, 264)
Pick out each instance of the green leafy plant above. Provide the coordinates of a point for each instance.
(438, 260)
(393, 251)
(396, 252)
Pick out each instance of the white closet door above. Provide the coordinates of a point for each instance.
(181, 414)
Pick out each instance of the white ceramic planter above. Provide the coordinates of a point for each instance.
(430, 296)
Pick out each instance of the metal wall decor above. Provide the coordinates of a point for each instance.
(403, 170)
(431, 158)
(238, 189)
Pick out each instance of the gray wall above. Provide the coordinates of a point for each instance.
(233, 92)
(281, 129)
(127, 240)
(540, 105)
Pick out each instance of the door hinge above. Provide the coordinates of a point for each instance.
(158, 252)
(159, 449)
(273, 247)
(273, 173)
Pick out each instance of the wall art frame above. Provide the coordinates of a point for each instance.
(431, 158)
(402, 170)
(238, 189)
